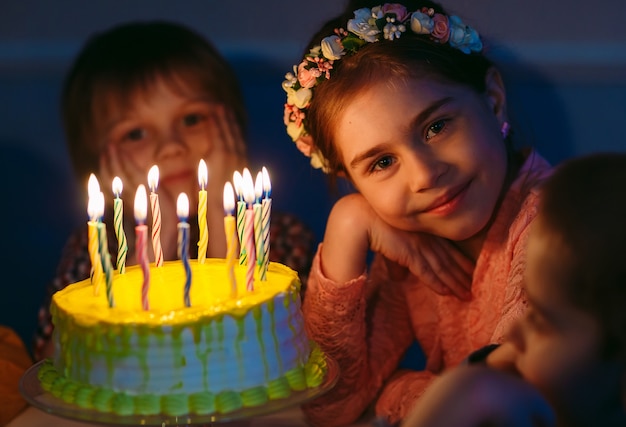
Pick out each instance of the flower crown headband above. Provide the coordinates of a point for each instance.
(387, 21)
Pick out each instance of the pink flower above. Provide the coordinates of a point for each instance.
(441, 29)
(307, 78)
(305, 145)
(398, 9)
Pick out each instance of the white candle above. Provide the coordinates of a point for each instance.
(153, 182)
(141, 243)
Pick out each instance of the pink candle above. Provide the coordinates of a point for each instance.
(241, 216)
(153, 182)
(258, 226)
(141, 244)
(248, 194)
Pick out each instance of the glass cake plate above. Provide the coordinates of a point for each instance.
(36, 396)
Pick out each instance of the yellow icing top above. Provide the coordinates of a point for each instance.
(210, 294)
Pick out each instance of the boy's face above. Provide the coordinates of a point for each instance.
(557, 346)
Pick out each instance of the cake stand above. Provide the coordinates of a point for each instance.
(35, 395)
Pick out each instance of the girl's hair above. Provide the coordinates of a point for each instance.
(411, 56)
(129, 58)
(582, 206)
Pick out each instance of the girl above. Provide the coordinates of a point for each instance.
(403, 103)
(157, 93)
(571, 344)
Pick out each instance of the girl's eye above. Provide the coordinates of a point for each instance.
(435, 129)
(192, 119)
(135, 135)
(382, 163)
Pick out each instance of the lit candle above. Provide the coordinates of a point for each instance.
(105, 256)
(118, 225)
(248, 233)
(231, 236)
(203, 241)
(256, 207)
(241, 216)
(182, 210)
(141, 242)
(153, 182)
(267, 210)
(93, 189)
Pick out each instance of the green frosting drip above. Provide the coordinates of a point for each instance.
(122, 404)
(175, 404)
(147, 404)
(278, 388)
(256, 396)
(228, 401)
(258, 321)
(202, 403)
(102, 399)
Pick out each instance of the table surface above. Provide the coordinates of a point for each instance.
(292, 417)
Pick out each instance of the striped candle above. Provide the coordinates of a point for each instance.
(266, 214)
(141, 242)
(182, 210)
(241, 214)
(118, 225)
(203, 240)
(231, 237)
(248, 233)
(153, 182)
(256, 207)
(93, 189)
(105, 256)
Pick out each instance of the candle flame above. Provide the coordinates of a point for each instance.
(258, 186)
(182, 206)
(93, 187)
(117, 186)
(141, 204)
(203, 174)
(99, 204)
(237, 181)
(248, 187)
(267, 185)
(153, 178)
(229, 198)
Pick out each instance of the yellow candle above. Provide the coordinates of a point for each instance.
(93, 189)
(203, 240)
(231, 236)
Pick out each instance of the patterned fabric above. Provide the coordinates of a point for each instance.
(368, 323)
(292, 243)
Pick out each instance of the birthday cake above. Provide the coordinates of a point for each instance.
(225, 351)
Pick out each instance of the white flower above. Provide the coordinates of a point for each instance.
(463, 37)
(362, 27)
(294, 131)
(300, 98)
(332, 48)
(421, 23)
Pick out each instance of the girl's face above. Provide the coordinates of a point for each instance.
(170, 126)
(557, 345)
(427, 156)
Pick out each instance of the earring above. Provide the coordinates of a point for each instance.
(505, 129)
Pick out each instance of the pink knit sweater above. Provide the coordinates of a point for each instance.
(368, 323)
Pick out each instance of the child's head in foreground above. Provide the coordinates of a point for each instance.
(571, 344)
(147, 93)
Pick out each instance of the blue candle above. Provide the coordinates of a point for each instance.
(182, 209)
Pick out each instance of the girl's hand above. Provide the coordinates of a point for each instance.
(353, 228)
(472, 396)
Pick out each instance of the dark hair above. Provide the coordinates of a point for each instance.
(582, 205)
(409, 57)
(130, 57)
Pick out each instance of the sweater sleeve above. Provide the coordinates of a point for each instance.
(364, 326)
(14, 360)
